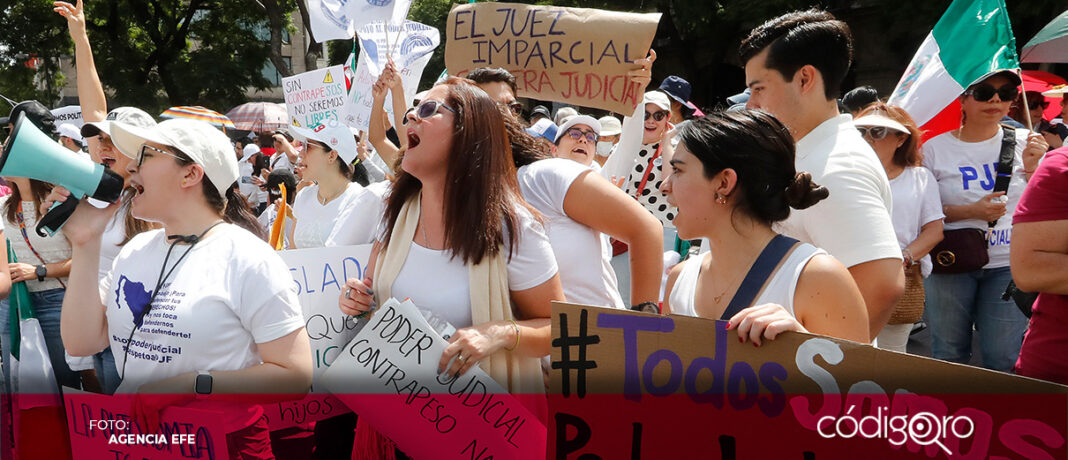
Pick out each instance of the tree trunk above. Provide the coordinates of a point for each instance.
(315, 49)
(275, 22)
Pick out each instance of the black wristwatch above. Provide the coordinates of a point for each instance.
(41, 271)
(202, 385)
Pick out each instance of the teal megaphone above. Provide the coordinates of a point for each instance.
(33, 154)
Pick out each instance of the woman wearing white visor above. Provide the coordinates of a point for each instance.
(197, 308)
(917, 210)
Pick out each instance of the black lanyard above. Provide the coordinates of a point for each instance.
(192, 240)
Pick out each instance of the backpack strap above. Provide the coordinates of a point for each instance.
(759, 274)
(1005, 160)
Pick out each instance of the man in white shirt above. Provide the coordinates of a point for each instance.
(285, 155)
(794, 66)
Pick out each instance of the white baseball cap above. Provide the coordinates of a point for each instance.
(1056, 91)
(249, 150)
(201, 142)
(657, 98)
(131, 116)
(333, 134)
(71, 131)
(610, 126)
(881, 120)
(578, 120)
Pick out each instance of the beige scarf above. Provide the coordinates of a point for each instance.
(490, 301)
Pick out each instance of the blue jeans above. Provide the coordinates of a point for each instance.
(106, 373)
(957, 302)
(47, 305)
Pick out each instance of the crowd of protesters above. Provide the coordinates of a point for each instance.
(846, 222)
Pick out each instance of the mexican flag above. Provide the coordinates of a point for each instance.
(972, 39)
(38, 423)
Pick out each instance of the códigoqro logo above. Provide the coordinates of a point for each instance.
(923, 428)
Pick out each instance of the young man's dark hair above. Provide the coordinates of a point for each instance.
(810, 37)
(860, 97)
(483, 75)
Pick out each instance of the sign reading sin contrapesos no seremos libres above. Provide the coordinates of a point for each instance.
(634, 385)
(575, 55)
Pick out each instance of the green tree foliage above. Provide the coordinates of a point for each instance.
(25, 38)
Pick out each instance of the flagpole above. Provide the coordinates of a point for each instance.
(1026, 106)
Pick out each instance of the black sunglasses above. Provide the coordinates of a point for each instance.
(658, 115)
(427, 109)
(984, 92)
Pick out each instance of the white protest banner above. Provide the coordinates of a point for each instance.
(69, 114)
(102, 426)
(320, 274)
(392, 364)
(339, 19)
(314, 96)
(578, 56)
(412, 47)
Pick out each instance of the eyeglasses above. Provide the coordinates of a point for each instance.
(515, 107)
(1037, 105)
(427, 109)
(875, 133)
(577, 134)
(658, 115)
(145, 148)
(984, 92)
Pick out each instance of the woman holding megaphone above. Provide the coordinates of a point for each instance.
(199, 307)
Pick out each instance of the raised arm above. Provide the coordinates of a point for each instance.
(90, 90)
(376, 132)
(594, 202)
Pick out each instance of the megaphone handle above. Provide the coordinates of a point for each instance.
(56, 216)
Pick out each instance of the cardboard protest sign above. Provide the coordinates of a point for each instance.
(575, 55)
(412, 46)
(320, 274)
(392, 364)
(314, 96)
(101, 427)
(633, 385)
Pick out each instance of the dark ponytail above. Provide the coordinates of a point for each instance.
(803, 193)
(234, 210)
(760, 150)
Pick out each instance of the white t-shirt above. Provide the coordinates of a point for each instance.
(853, 223)
(779, 290)
(267, 218)
(916, 204)
(52, 249)
(438, 282)
(965, 172)
(585, 267)
(360, 222)
(230, 293)
(280, 161)
(248, 189)
(315, 221)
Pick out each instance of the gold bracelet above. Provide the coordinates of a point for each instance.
(516, 327)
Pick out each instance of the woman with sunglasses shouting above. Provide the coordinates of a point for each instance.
(459, 240)
(916, 214)
(964, 292)
(198, 308)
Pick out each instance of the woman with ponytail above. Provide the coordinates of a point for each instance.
(199, 307)
(733, 179)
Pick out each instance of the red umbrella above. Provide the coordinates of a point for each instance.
(1037, 81)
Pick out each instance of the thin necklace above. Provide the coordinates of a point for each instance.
(325, 201)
